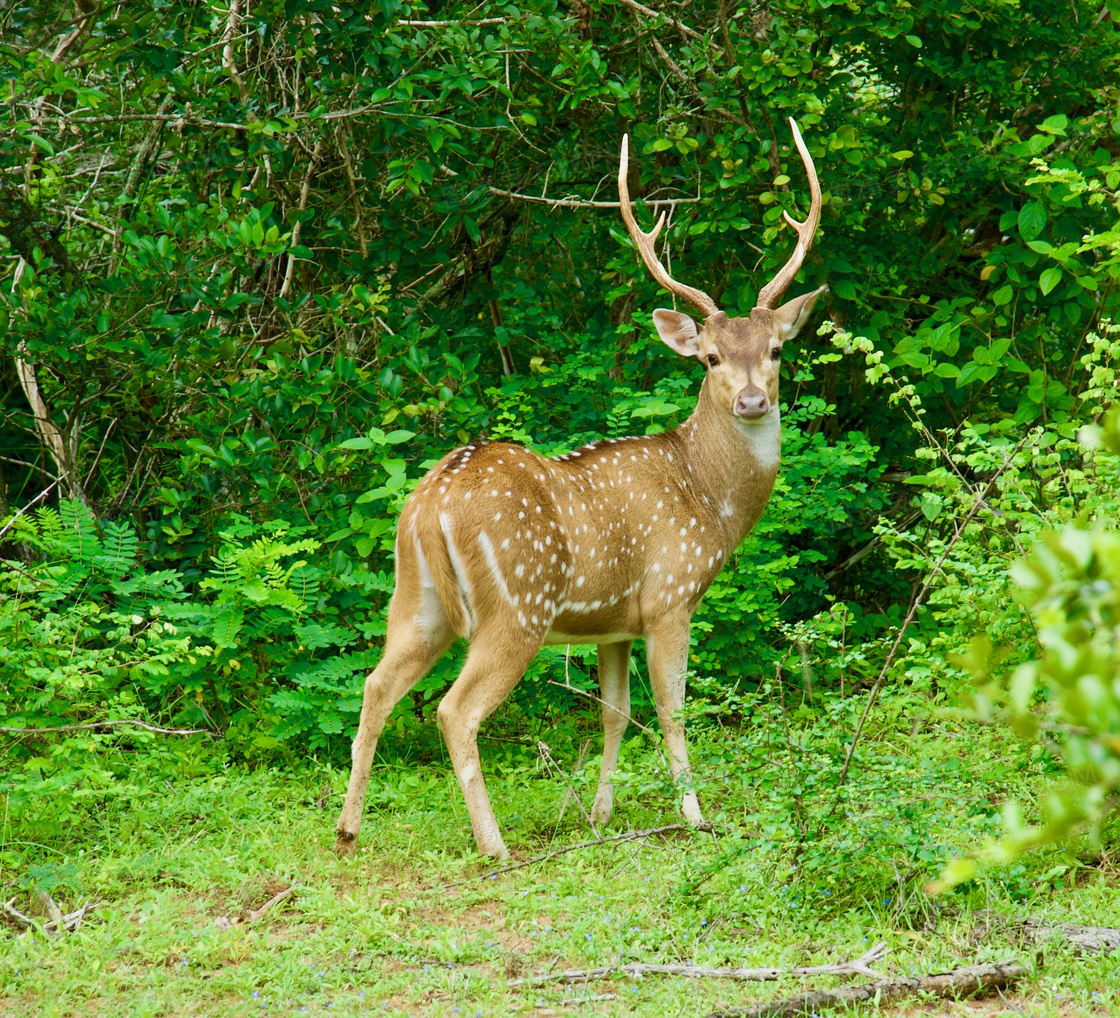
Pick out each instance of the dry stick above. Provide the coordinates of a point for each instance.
(1089, 939)
(53, 911)
(570, 791)
(550, 763)
(303, 193)
(967, 981)
(70, 922)
(225, 923)
(858, 966)
(958, 532)
(108, 724)
(584, 203)
(649, 832)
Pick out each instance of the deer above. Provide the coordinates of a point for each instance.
(613, 542)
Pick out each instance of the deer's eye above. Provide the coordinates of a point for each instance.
(776, 354)
(713, 360)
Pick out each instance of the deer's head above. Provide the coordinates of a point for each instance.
(742, 355)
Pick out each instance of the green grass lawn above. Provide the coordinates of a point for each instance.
(795, 875)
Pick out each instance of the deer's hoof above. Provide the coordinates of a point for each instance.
(345, 844)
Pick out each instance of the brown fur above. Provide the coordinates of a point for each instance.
(613, 542)
(616, 541)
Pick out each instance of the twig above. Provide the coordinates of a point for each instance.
(649, 832)
(251, 916)
(108, 724)
(868, 548)
(961, 982)
(42, 494)
(69, 922)
(958, 532)
(588, 1000)
(860, 966)
(303, 193)
(452, 24)
(570, 791)
(18, 916)
(260, 913)
(584, 203)
(651, 13)
(608, 706)
(57, 921)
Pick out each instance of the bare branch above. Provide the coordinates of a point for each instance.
(649, 832)
(649, 12)
(452, 24)
(108, 724)
(583, 203)
(858, 966)
(305, 190)
(961, 982)
(42, 494)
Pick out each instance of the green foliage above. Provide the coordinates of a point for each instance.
(1070, 583)
(263, 286)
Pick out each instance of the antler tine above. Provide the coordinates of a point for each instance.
(772, 292)
(644, 243)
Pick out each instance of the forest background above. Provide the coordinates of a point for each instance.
(263, 264)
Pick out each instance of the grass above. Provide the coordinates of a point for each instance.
(798, 876)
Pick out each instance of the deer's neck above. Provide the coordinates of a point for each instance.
(732, 464)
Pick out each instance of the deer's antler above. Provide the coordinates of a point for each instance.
(644, 243)
(771, 293)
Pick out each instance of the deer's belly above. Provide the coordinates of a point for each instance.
(595, 621)
(556, 636)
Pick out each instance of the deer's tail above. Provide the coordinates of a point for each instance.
(441, 568)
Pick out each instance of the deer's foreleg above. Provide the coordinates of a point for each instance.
(614, 691)
(667, 652)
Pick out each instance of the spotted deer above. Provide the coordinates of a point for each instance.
(614, 542)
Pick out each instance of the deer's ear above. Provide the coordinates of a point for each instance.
(677, 331)
(795, 313)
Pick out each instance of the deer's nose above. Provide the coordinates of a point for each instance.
(751, 402)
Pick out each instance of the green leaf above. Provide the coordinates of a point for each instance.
(914, 41)
(356, 443)
(1032, 220)
(1002, 296)
(844, 289)
(1049, 279)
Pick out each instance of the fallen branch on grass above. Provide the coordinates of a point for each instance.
(226, 923)
(108, 724)
(69, 922)
(1089, 939)
(968, 981)
(649, 832)
(858, 966)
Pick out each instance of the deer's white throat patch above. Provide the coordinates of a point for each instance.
(764, 438)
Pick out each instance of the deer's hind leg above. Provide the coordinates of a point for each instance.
(495, 663)
(614, 691)
(418, 634)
